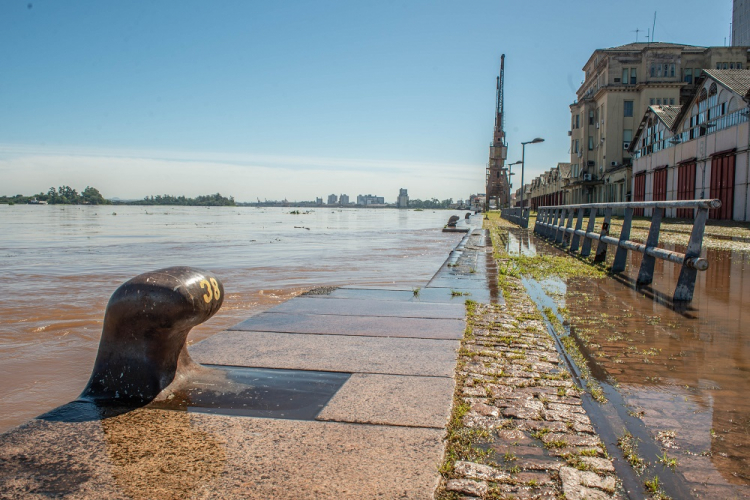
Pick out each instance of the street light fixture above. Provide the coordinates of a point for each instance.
(523, 154)
(510, 172)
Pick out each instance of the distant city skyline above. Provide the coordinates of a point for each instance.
(296, 99)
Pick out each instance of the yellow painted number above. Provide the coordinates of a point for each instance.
(217, 292)
(208, 296)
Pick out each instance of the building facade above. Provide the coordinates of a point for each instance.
(403, 199)
(369, 199)
(620, 84)
(741, 22)
(698, 150)
(549, 188)
(333, 199)
(344, 199)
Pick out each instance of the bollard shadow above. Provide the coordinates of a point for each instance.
(84, 411)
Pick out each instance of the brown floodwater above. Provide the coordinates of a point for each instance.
(59, 265)
(683, 372)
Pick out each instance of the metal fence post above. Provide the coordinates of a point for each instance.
(601, 248)
(586, 249)
(566, 234)
(646, 273)
(621, 256)
(686, 281)
(550, 231)
(561, 226)
(576, 237)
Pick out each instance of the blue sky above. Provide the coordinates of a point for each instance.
(300, 99)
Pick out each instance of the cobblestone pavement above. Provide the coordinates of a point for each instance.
(518, 428)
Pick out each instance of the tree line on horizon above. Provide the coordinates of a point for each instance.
(66, 195)
(433, 203)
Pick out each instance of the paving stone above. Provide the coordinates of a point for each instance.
(485, 410)
(574, 489)
(477, 488)
(540, 478)
(571, 439)
(598, 464)
(479, 471)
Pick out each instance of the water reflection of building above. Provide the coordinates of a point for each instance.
(687, 372)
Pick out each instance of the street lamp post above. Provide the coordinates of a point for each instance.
(510, 181)
(523, 154)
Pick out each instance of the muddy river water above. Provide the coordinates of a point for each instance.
(60, 264)
(683, 374)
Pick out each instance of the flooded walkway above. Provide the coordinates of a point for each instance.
(354, 386)
(682, 375)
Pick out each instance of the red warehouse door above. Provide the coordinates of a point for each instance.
(686, 188)
(722, 185)
(660, 185)
(639, 191)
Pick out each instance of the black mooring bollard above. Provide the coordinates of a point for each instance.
(142, 350)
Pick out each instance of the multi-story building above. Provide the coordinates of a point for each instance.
(698, 150)
(620, 84)
(741, 22)
(548, 189)
(403, 199)
(344, 199)
(333, 199)
(369, 199)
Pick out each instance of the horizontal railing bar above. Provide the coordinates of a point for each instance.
(643, 204)
(697, 263)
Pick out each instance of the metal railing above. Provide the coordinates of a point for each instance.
(518, 215)
(556, 223)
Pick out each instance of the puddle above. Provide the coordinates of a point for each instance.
(678, 377)
(257, 392)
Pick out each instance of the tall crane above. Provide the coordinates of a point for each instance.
(497, 178)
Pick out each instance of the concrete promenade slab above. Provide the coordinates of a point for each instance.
(157, 454)
(338, 353)
(390, 400)
(314, 304)
(360, 326)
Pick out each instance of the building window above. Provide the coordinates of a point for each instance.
(651, 101)
(671, 70)
(633, 74)
(627, 109)
(576, 147)
(688, 75)
(627, 138)
(591, 143)
(625, 75)
(578, 121)
(591, 117)
(671, 101)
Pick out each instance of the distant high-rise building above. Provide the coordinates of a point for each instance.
(740, 23)
(332, 199)
(403, 199)
(318, 201)
(344, 199)
(369, 199)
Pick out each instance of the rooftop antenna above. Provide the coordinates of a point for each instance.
(653, 29)
(636, 31)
